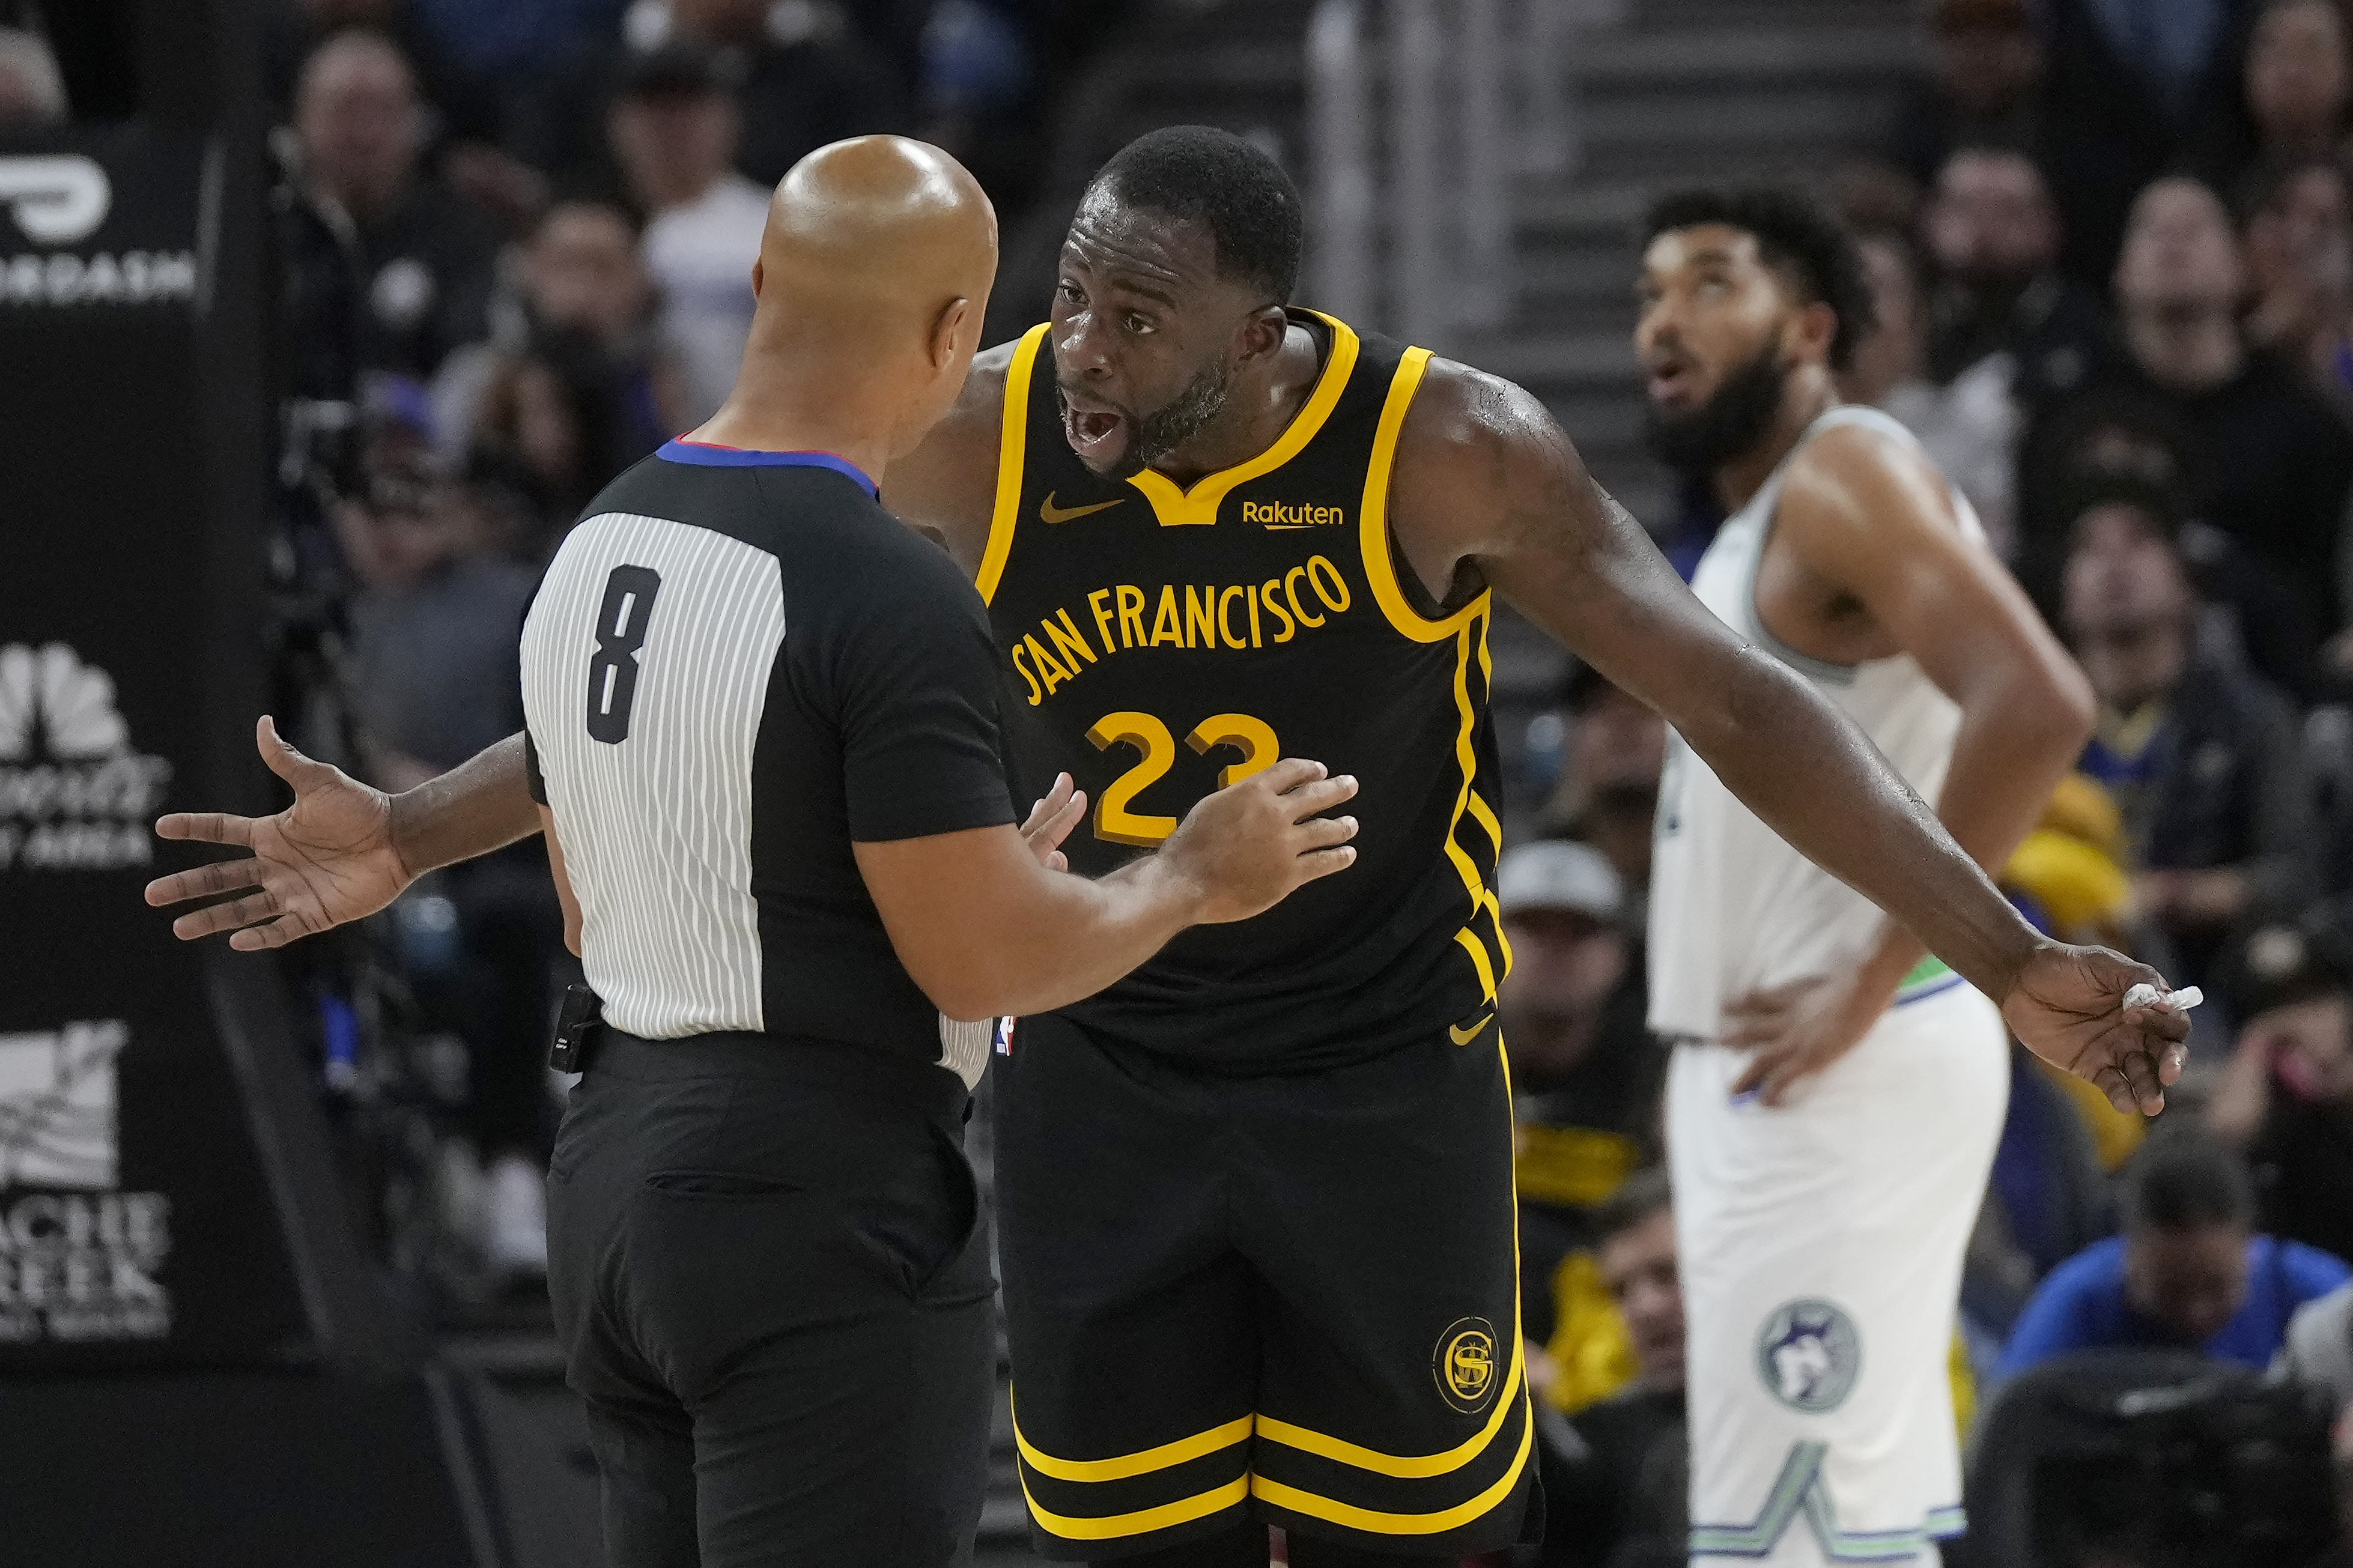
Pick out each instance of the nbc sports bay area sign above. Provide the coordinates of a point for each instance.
(79, 1259)
(75, 793)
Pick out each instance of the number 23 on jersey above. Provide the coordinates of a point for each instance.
(1115, 821)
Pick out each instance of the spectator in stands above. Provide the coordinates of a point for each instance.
(803, 74)
(1615, 1485)
(1586, 1079)
(2130, 85)
(583, 389)
(674, 129)
(32, 93)
(1968, 426)
(1609, 791)
(2202, 757)
(2295, 90)
(515, 42)
(435, 678)
(1980, 90)
(2299, 232)
(387, 269)
(468, 124)
(2190, 1272)
(2286, 1097)
(2265, 461)
(1993, 236)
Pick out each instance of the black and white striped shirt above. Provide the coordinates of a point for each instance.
(739, 664)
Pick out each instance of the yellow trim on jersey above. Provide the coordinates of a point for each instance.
(1012, 439)
(1373, 526)
(1121, 1467)
(1466, 753)
(1199, 506)
(1377, 1522)
(1184, 1510)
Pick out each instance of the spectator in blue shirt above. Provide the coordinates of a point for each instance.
(2189, 1272)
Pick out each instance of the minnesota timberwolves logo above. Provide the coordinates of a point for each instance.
(1808, 1355)
(1465, 1365)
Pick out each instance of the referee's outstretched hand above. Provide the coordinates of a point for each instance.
(327, 858)
(1246, 847)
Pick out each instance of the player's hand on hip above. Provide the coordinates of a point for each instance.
(2067, 1007)
(326, 859)
(1246, 847)
(1051, 821)
(1794, 1031)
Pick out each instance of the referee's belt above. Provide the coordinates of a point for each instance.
(867, 1075)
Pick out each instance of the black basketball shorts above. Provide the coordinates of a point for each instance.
(1287, 1298)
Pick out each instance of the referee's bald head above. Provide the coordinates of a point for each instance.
(877, 262)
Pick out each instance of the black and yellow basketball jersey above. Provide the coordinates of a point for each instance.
(1161, 643)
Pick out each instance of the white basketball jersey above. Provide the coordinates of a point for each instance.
(1733, 906)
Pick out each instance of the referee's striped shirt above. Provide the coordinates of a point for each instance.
(739, 664)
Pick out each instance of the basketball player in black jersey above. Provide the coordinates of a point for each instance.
(1257, 1204)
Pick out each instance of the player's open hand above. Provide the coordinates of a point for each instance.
(1246, 847)
(327, 858)
(1051, 821)
(1794, 1031)
(2067, 1007)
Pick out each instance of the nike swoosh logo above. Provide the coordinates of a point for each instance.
(1049, 512)
(1464, 1037)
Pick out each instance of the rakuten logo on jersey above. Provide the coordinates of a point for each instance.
(74, 795)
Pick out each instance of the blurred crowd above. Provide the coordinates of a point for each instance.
(2112, 247)
(2112, 244)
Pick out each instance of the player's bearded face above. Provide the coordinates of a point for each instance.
(1150, 437)
(1732, 421)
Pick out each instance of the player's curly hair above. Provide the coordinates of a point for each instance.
(1797, 236)
(1227, 185)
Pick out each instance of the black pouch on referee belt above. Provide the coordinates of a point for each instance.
(575, 1025)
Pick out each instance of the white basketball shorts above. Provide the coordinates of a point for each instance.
(1822, 1259)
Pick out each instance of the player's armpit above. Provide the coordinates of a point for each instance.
(948, 485)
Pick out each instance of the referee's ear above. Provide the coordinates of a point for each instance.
(947, 328)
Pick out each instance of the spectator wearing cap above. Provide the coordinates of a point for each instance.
(32, 93)
(2190, 1272)
(1585, 1079)
(2264, 460)
(386, 269)
(1980, 89)
(1614, 1474)
(804, 77)
(2202, 757)
(673, 128)
(2286, 1098)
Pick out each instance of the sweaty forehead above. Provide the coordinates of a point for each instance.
(1125, 243)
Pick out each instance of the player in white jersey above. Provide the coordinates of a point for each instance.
(1836, 1094)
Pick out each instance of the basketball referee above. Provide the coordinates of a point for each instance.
(762, 728)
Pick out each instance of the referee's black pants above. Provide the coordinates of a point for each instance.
(770, 1291)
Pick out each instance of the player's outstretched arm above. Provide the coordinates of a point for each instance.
(985, 929)
(1486, 478)
(343, 849)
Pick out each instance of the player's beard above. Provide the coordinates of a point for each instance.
(1152, 436)
(1729, 424)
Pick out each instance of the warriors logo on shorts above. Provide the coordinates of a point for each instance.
(1464, 1364)
(1809, 1353)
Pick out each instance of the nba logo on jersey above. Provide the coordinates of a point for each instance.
(1005, 1035)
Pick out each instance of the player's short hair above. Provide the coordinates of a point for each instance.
(1796, 236)
(2186, 1181)
(1642, 1194)
(1228, 186)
